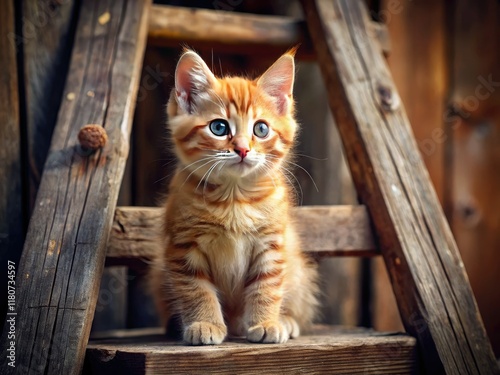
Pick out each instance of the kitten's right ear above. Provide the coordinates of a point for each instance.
(193, 80)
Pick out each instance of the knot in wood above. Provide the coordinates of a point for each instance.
(455, 109)
(92, 137)
(469, 212)
(388, 99)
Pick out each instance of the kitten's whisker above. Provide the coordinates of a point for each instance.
(168, 163)
(268, 169)
(298, 166)
(196, 162)
(216, 104)
(224, 155)
(310, 157)
(222, 104)
(282, 169)
(206, 173)
(208, 176)
(201, 166)
(305, 170)
(164, 177)
(210, 158)
(293, 185)
(223, 163)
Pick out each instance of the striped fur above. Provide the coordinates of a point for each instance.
(231, 260)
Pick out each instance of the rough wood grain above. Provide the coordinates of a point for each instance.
(427, 274)
(48, 28)
(324, 230)
(11, 194)
(233, 31)
(200, 28)
(63, 257)
(325, 351)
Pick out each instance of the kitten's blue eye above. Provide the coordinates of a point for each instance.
(261, 129)
(219, 127)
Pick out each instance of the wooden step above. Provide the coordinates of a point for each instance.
(324, 230)
(327, 350)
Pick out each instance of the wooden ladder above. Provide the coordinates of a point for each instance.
(75, 226)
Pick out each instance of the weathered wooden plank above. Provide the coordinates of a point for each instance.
(325, 351)
(324, 230)
(60, 270)
(431, 287)
(232, 31)
(335, 230)
(200, 28)
(11, 193)
(46, 39)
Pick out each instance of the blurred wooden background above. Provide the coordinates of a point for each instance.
(444, 57)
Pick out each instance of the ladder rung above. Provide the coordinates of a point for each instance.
(209, 29)
(324, 231)
(236, 32)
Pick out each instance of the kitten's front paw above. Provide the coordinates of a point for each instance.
(268, 332)
(204, 333)
(291, 326)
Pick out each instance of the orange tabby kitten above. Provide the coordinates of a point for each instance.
(231, 260)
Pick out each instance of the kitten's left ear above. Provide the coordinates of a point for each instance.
(193, 81)
(277, 81)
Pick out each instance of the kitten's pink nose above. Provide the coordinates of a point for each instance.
(241, 150)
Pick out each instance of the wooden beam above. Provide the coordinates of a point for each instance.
(234, 32)
(46, 40)
(60, 270)
(229, 31)
(324, 231)
(326, 351)
(11, 192)
(427, 274)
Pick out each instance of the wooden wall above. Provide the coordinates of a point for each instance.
(474, 147)
(446, 63)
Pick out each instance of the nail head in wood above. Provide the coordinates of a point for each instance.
(388, 99)
(92, 137)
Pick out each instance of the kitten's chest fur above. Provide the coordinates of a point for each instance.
(230, 257)
(241, 211)
(232, 245)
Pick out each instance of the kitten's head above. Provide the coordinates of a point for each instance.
(232, 127)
